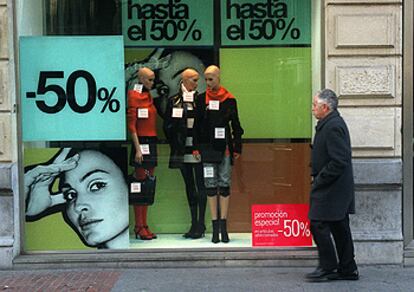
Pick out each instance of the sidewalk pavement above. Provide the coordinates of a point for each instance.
(373, 278)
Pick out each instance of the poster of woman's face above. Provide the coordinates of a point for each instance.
(92, 194)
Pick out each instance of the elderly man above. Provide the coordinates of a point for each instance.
(332, 196)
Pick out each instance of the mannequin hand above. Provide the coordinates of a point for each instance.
(236, 155)
(138, 156)
(38, 180)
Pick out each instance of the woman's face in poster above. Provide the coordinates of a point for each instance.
(97, 197)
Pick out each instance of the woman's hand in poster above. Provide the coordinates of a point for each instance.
(39, 180)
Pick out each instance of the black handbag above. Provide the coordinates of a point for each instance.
(142, 192)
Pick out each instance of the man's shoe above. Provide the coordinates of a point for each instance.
(346, 276)
(320, 275)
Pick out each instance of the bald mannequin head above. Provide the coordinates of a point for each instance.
(190, 79)
(212, 75)
(146, 77)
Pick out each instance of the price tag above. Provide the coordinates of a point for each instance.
(189, 141)
(177, 112)
(208, 171)
(135, 187)
(220, 133)
(143, 113)
(138, 87)
(281, 225)
(145, 150)
(190, 123)
(214, 105)
(188, 96)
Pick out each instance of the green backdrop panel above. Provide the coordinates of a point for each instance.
(50, 232)
(273, 90)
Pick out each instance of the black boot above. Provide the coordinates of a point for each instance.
(199, 231)
(215, 238)
(223, 231)
(190, 233)
(194, 224)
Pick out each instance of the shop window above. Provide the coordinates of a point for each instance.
(263, 49)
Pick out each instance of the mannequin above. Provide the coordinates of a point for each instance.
(142, 114)
(220, 142)
(179, 122)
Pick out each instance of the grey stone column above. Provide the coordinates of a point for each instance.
(363, 57)
(8, 152)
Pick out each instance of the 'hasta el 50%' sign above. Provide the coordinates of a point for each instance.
(265, 22)
(167, 22)
(72, 88)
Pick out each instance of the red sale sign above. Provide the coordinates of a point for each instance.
(281, 225)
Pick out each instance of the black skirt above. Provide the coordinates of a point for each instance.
(150, 160)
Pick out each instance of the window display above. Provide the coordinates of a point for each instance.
(177, 86)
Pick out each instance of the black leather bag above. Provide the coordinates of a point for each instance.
(142, 192)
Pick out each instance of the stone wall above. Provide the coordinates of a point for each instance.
(363, 64)
(7, 125)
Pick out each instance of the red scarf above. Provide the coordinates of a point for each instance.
(221, 95)
(144, 99)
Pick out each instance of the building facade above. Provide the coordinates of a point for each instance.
(362, 49)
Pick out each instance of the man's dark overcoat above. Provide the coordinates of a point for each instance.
(332, 193)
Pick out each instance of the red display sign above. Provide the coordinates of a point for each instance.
(281, 225)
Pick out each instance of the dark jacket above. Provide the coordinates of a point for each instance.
(212, 150)
(332, 193)
(175, 129)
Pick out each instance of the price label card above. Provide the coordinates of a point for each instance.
(177, 112)
(281, 225)
(143, 113)
(220, 133)
(145, 150)
(214, 105)
(189, 141)
(138, 87)
(72, 88)
(190, 123)
(188, 96)
(208, 171)
(135, 187)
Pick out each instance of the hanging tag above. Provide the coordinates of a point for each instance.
(190, 123)
(189, 141)
(135, 187)
(143, 113)
(220, 133)
(145, 150)
(138, 87)
(214, 105)
(188, 96)
(177, 112)
(208, 171)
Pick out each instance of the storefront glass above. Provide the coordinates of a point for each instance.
(75, 81)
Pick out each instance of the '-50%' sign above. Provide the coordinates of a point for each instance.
(72, 88)
(281, 225)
